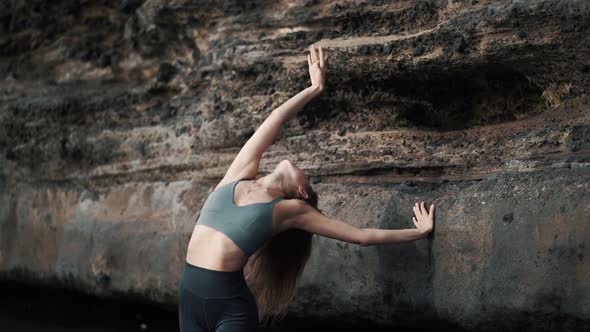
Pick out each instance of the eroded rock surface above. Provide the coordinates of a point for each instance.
(117, 118)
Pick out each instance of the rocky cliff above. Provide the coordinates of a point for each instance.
(117, 118)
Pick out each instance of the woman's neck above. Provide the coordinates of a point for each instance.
(273, 181)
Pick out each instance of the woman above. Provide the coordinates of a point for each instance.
(255, 234)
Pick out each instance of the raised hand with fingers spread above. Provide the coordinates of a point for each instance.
(316, 67)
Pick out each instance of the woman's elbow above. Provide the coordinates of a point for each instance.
(364, 237)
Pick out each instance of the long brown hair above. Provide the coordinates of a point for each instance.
(273, 270)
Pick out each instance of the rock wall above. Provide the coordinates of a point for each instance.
(117, 118)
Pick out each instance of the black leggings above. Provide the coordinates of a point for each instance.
(210, 300)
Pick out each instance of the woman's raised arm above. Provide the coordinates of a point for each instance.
(247, 161)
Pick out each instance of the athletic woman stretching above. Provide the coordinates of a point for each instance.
(254, 236)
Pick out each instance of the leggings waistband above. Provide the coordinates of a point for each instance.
(212, 283)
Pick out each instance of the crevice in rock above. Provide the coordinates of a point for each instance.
(465, 97)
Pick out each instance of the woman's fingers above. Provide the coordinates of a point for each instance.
(308, 60)
(321, 58)
(314, 57)
(420, 210)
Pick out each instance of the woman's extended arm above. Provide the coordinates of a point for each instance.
(423, 220)
(289, 108)
(246, 163)
(311, 220)
(389, 236)
(269, 129)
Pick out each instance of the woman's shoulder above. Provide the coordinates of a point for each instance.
(293, 203)
(289, 208)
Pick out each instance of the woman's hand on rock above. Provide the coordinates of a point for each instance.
(316, 67)
(423, 218)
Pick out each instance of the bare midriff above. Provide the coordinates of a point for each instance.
(211, 249)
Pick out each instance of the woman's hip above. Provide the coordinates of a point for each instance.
(210, 284)
(211, 299)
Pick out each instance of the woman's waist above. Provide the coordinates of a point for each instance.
(209, 283)
(212, 249)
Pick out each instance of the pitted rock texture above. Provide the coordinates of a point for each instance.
(117, 118)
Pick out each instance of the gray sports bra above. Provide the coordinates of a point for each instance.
(249, 226)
